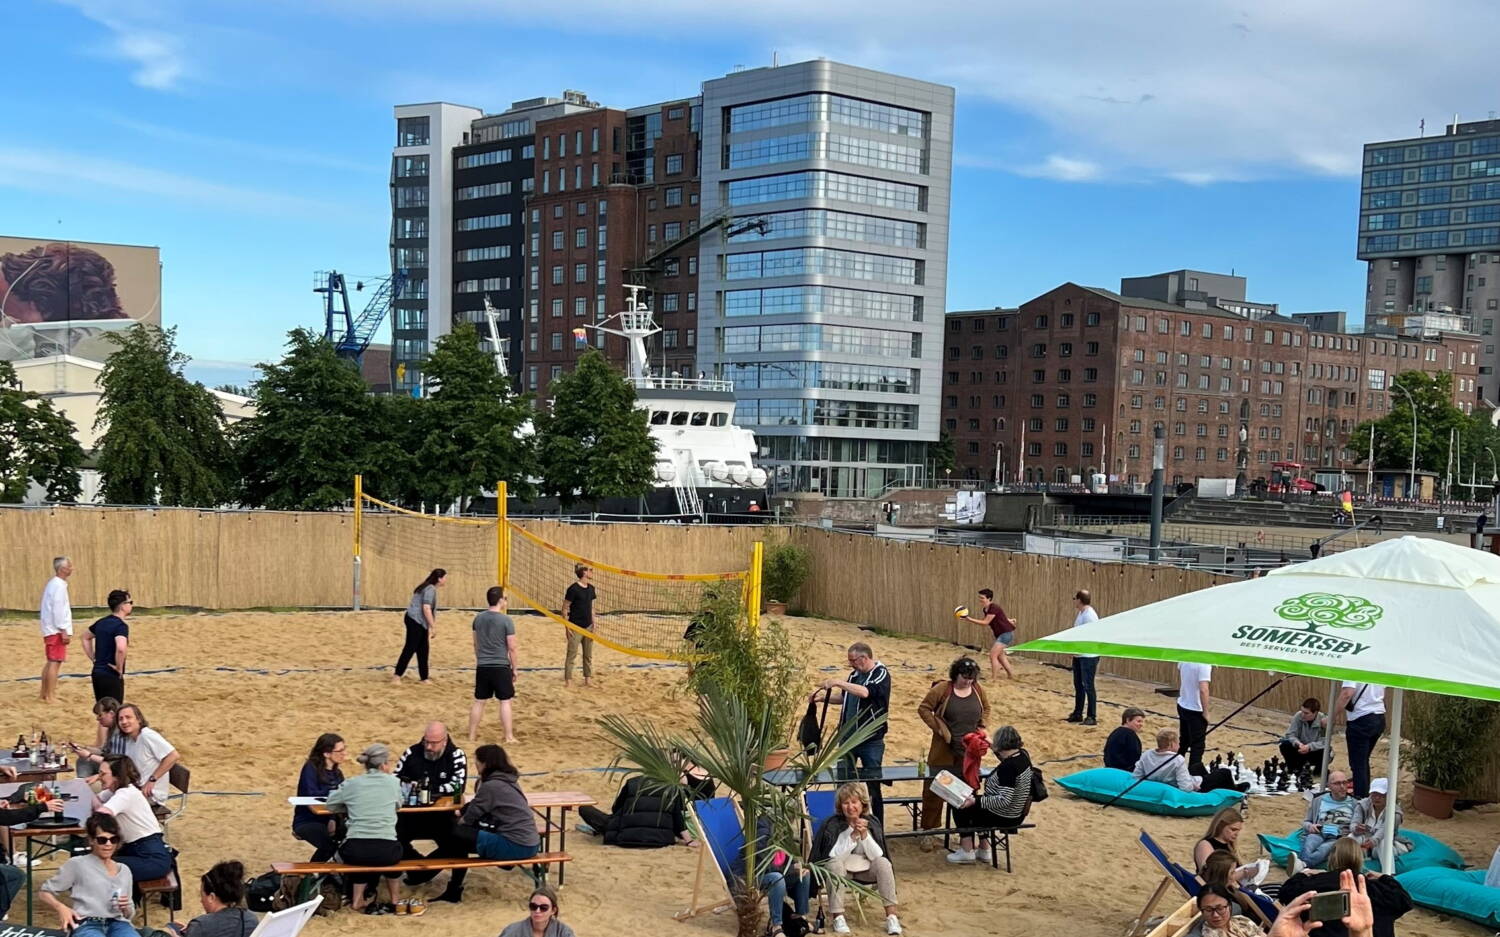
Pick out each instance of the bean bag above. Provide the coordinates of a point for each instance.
(1425, 851)
(1454, 891)
(1101, 785)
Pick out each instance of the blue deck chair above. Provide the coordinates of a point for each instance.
(819, 805)
(1175, 874)
(723, 835)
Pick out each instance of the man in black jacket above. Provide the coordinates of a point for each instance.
(437, 765)
(12, 879)
(1123, 747)
(646, 816)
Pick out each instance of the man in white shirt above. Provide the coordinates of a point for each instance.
(1192, 712)
(1084, 665)
(56, 615)
(1362, 706)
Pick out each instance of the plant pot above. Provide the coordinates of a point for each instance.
(774, 607)
(1432, 801)
(777, 758)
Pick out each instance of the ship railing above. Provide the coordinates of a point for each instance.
(682, 383)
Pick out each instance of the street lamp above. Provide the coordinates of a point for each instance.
(1411, 484)
(1158, 467)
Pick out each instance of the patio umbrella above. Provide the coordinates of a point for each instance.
(1410, 614)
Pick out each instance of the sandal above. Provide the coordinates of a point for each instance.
(416, 906)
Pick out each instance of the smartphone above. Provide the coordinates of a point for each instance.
(1329, 906)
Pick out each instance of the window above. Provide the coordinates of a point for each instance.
(580, 237)
(557, 240)
(673, 165)
(411, 166)
(580, 273)
(557, 275)
(557, 341)
(413, 131)
(673, 196)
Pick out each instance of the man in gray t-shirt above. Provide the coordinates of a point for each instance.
(494, 662)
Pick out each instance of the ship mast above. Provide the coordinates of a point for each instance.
(635, 326)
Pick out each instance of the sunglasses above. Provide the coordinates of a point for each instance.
(539, 907)
(106, 840)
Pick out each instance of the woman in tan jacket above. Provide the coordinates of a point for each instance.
(952, 709)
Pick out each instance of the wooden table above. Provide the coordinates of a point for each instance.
(26, 772)
(41, 841)
(541, 802)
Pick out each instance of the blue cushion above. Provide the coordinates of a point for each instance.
(1101, 785)
(1454, 891)
(1425, 851)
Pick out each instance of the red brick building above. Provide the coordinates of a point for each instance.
(1075, 381)
(612, 189)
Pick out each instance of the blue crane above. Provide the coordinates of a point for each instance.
(352, 338)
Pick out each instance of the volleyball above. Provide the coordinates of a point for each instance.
(961, 611)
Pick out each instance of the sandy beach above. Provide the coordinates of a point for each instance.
(242, 695)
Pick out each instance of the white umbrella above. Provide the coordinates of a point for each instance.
(1410, 614)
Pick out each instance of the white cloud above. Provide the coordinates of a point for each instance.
(1063, 169)
(1191, 90)
(137, 36)
(77, 174)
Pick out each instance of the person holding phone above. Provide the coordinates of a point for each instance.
(1388, 900)
(99, 886)
(1297, 917)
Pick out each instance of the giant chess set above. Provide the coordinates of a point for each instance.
(1272, 779)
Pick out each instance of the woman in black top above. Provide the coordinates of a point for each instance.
(1223, 834)
(321, 773)
(1387, 898)
(1005, 798)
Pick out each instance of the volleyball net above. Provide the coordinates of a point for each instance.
(638, 611)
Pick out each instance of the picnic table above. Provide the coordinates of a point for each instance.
(541, 802)
(26, 772)
(42, 842)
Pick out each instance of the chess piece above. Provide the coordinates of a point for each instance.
(1257, 777)
(1283, 783)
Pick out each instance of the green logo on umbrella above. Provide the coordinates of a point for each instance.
(1325, 609)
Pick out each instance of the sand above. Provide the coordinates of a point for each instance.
(242, 695)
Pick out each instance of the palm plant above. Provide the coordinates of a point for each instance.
(731, 743)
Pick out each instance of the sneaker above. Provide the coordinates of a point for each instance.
(983, 853)
(416, 907)
(840, 926)
(1091, 721)
(376, 908)
(892, 924)
(961, 856)
(1294, 863)
(1075, 717)
(585, 829)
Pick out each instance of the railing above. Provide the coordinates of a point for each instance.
(683, 383)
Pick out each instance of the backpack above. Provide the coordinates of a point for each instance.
(261, 892)
(1038, 785)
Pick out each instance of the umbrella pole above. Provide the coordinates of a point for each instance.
(1393, 740)
(1334, 686)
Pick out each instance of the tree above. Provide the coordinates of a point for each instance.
(942, 456)
(474, 425)
(163, 436)
(37, 444)
(1436, 417)
(594, 443)
(239, 390)
(311, 430)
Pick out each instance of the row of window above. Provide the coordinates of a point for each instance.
(1437, 149)
(1432, 240)
(490, 158)
(481, 222)
(824, 261)
(837, 339)
(480, 286)
(488, 190)
(821, 184)
(1474, 214)
(821, 107)
(859, 151)
(823, 300)
(822, 222)
(406, 166)
(493, 252)
(833, 375)
(857, 413)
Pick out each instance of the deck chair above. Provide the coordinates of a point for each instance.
(723, 835)
(1175, 874)
(288, 923)
(1179, 922)
(179, 778)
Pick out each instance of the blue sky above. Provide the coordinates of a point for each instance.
(251, 140)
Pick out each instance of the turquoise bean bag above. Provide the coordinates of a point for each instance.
(1454, 891)
(1101, 785)
(1425, 852)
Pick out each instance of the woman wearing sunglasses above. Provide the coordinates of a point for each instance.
(100, 886)
(542, 921)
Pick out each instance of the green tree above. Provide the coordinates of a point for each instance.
(942, 456)
(1436, 416)
(238, 389)
(393, 472)
(474, 423)
(310, 432)
(593, 442)
(162, 439)
(37, 444)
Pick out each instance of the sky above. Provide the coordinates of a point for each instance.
(251, 141)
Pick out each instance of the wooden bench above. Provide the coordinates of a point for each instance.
(295, 870)
(156, 887)
(999, 835)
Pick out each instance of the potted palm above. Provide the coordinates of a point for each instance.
(786, 568)
(1448, 739)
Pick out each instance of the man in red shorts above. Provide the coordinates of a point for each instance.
(57, 625)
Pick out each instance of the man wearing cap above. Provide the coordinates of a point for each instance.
(1370, 817)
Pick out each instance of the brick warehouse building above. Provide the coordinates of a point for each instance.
(1085, 375)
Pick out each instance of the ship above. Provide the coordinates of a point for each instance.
(705, 463)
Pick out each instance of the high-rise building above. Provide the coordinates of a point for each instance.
(829, 316)
(1429, 227)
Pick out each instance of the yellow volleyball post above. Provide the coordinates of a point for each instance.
(753, 598)
(502, 537)
(359, 516)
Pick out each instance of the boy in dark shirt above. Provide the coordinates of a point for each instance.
(105, 643)
(578, 608)
(1123, 747)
